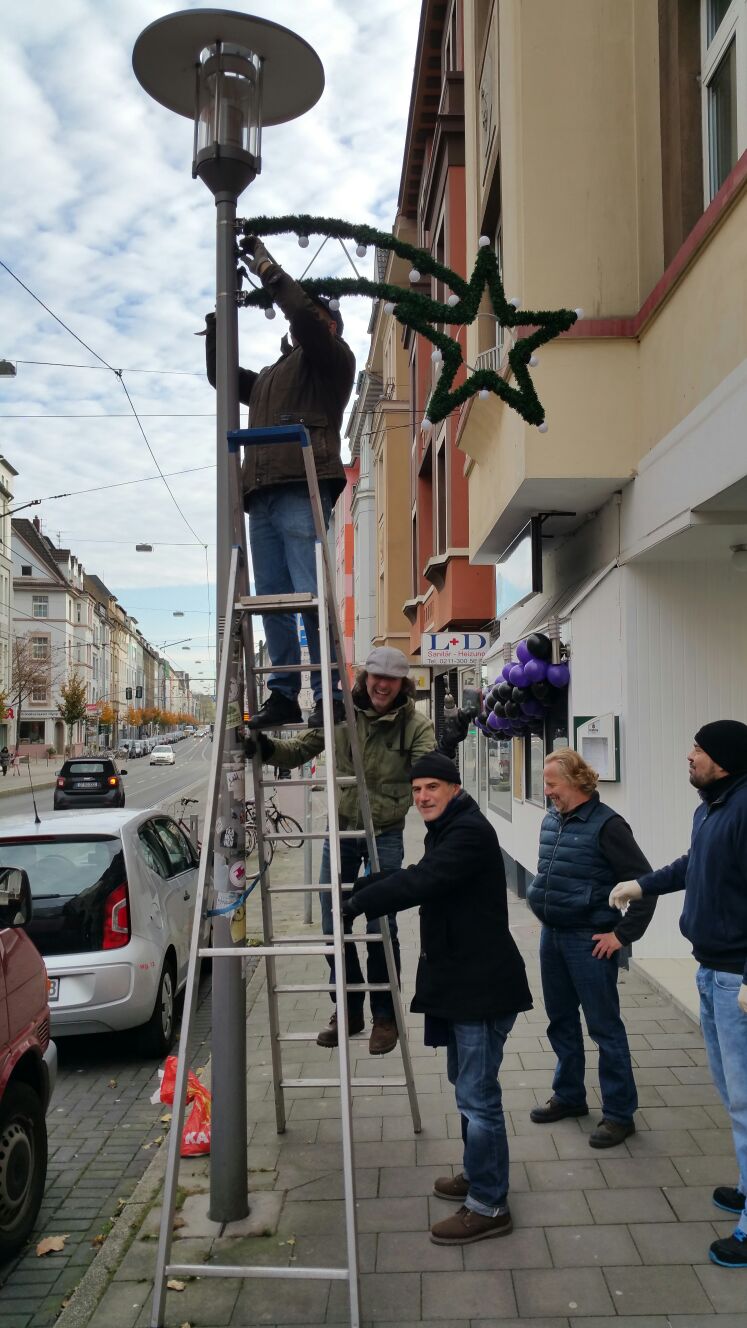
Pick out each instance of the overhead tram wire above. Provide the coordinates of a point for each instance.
(102, 488)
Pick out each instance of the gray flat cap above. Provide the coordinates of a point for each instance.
(387, 662)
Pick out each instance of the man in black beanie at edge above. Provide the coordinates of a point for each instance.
(470, 982)
(713, 874)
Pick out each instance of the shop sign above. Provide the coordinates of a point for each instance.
(451, 648)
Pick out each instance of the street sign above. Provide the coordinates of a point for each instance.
(451, 648)
(92, 709)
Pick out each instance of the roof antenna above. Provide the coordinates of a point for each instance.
(37, 818)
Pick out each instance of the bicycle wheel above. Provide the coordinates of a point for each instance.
(290, 830)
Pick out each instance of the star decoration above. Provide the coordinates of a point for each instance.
(417, 310)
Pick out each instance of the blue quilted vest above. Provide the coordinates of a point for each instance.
(574, 879)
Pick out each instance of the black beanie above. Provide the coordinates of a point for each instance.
(725, 741)
(435, 766)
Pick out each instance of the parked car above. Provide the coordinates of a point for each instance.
(28, 1065)
(88, 781)
(113, 898)
(162, 755)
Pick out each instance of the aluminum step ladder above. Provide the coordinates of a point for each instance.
(240, 610)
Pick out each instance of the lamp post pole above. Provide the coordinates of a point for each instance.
(229, 73)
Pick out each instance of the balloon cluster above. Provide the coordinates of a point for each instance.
(524, 691)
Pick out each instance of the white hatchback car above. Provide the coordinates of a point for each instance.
(162, 755)
(113, 900)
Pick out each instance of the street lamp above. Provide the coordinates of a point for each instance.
(230, 74)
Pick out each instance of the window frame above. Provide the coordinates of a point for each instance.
(39, 602)
(732, 28)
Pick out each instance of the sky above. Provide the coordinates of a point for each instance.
(102, 221)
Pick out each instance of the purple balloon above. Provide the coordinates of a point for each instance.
(482, 726)
(558, 674)
(533, 708)
(516, 676)
(507, 669)
(522, 653)
(535, 670)
(493, 722)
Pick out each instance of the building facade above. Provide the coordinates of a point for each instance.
(7, 721)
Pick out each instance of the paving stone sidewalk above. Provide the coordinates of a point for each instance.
(619, 1237)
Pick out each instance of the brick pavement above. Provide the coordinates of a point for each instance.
(619, 1237)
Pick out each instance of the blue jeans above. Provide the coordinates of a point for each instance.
(283, 544)
(354, 854)
(473, 1058)
(572, 977)
(725, 1033)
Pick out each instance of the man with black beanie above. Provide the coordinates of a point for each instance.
(470, 984)
(713, 874)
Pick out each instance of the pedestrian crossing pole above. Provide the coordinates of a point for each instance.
(226, 71)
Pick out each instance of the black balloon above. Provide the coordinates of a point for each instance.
(520, 694)
(505, 691)
(541, 692)
(499, 709)
(539, 645)
(511, 710)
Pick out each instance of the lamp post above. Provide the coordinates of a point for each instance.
(230, 74)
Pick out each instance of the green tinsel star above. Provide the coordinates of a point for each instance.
(413, 309)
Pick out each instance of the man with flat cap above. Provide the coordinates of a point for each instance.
(713, 874)
(470, 984)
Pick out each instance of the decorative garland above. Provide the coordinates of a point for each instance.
(416, 310)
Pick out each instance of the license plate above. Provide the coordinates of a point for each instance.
(54, 989)
(86, 783)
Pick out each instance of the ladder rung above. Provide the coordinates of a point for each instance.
(318, 783)
(300, 599)
(287, 987)
(314, 834)
(335, 1083)
(347, 939)
(271, 951)
(258, 1270)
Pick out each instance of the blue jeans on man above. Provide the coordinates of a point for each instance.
(353, 855)
(473, 1058)
(725, 1034)
(572, 977)
(283, 545)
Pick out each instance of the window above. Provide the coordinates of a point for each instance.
(177, 849)
(39, 647)
(39, 690)
(78, 612)
(534, 761)
(499, 777)
(724, 29)
(40, 606)
(26, 570)
(153, 850)
(31, 730)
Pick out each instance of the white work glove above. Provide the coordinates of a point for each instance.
(623, 893)
(259, 257)
(742, 998)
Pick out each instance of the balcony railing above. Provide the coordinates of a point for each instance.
(490, 359)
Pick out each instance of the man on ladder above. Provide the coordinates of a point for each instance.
(310, 383)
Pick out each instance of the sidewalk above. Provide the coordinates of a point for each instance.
(619, 1237)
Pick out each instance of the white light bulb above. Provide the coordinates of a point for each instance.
(426, 425)
(452, 301)
(436, 356)
(483, 242)
(414, 274)
(388, 307)
(303, 241)
(542, 427)
(533, 361)
(579, 313)
(515, 301)
(361, 250)
(269, 313)
(483, 394)
(334, 305)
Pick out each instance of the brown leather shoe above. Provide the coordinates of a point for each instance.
(609, 1133)
(451, 1187)
(383, 1037)
(554, 1110)
(328, 1036)
(465, 1227)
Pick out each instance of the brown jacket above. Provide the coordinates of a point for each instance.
(309, 384)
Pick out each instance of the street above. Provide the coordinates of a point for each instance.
(103, 1129)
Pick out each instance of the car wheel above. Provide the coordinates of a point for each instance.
(23, 1165)
(158, 1033)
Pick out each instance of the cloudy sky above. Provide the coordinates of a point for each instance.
(103, 222)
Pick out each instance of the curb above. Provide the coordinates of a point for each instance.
(85, 1299)
(47, 780)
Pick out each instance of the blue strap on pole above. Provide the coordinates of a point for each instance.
(231, 908)
(273, 433)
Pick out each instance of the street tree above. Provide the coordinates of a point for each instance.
(72, 703)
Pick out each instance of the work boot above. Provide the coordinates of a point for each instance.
(732, 1201)
(730, 1251)
(452, 1187)
(328, 1036)
(383, 1037)
(554, 1110)
(277, 711)
(465, 1227)
(316, 718)
(610, 1133)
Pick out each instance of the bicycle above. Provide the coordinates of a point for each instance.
(180, 816)
(276, 822)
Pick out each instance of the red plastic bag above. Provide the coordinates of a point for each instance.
(196, 1132)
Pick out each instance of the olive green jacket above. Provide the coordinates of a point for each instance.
(390, 745)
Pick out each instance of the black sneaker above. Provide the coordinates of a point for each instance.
(732, 1201)
(730, 1251)
(316, 718)
(277, 711)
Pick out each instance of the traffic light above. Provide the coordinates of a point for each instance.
(138, 693)
(128, 693)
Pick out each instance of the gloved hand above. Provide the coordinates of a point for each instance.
(348, 909)
(259, 256)
(742, 998)
(454, 731)
(623, 893)
(266, 746)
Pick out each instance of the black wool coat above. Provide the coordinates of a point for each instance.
(469, 965)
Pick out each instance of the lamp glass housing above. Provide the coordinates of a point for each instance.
(228, 113)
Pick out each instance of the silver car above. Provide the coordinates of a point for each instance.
(113, 895)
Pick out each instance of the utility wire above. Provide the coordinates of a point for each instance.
(58, 364)
(101, 488)
(52, 314)
(119, 415)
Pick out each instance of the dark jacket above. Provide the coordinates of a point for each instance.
(309, 384)
(713, 874)
(469, 965)
(575, 873)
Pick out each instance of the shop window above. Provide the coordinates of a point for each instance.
(31, 730)
(534, 760)
(499, 777)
